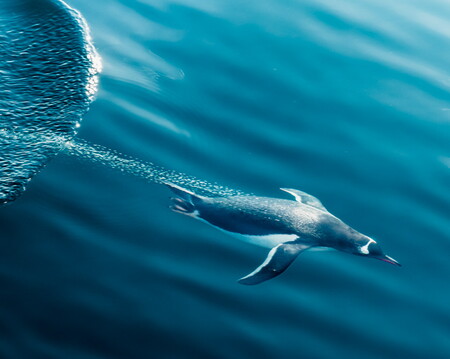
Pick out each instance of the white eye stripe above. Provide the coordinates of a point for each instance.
(365, 249)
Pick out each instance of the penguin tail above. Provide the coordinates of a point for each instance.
(185, 201)
(185, 194)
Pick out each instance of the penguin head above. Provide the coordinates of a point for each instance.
(370, 248)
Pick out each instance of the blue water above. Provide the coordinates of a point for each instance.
(48, 79)
(347, 100)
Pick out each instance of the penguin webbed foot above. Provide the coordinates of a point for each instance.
(181, 206)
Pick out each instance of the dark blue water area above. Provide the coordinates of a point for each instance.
(347, 100)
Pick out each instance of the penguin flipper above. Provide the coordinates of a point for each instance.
(277, 261)
(305, 198)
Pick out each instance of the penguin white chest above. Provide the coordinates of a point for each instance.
(268, 241)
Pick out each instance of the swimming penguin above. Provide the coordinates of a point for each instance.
(289, 227)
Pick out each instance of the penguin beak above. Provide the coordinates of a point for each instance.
(388, 259)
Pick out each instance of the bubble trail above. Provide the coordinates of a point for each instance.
(49, 72)
(146, 170)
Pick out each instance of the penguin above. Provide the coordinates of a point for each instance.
(288, 227)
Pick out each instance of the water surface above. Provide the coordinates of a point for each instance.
(347, 100)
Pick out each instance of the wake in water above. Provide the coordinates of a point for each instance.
(48, 78)
(49, 72)
(146, 170)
